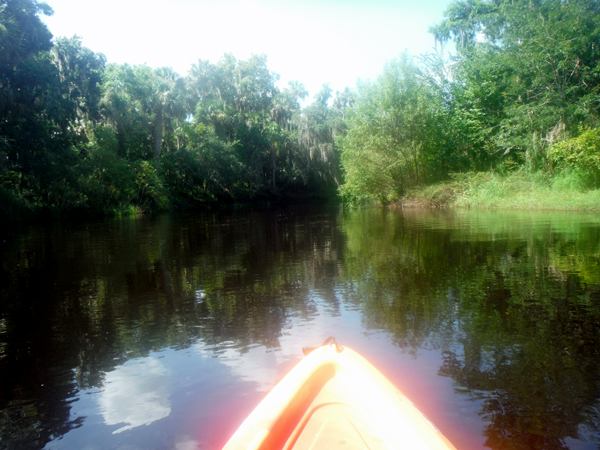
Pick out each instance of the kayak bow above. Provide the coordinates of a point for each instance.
(334, 398)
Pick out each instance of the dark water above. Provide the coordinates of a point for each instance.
(164, 333)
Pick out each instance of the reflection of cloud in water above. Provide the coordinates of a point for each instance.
(136, 393)
(263, 366)
(187, 444)
(255, 365)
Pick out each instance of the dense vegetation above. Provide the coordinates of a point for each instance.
(521, 95)
(78, 134)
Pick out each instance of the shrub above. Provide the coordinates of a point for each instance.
(579, 157)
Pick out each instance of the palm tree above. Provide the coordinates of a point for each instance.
(80, 72)
(298, 89)
(166, 103)
(343, 101)
(463, 22)
(324, 94)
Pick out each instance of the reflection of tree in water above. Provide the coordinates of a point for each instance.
(517, 329)
(35, 393)
(516, 314)
(541, 386)
(83, 300)
(252, 300)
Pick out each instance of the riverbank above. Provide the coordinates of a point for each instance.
(519, 190)
(15, 211)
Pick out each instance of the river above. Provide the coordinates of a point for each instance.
(164, 332)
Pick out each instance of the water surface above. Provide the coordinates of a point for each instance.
(165, 332)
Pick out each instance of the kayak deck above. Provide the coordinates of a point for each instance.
(334, 424)
(335, 399)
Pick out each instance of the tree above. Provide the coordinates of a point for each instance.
(140, 98)
(124, 112)
(324, 94)
(464, 20)
(239, 100)
(37, 150)
(23, 33)
(532, 80)
(343, 101)
(80, 71)
(389, 135)
(298, 90)
(166, 104)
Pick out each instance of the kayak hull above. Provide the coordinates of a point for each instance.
(334, 398)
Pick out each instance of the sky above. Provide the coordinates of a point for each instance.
(311, 41)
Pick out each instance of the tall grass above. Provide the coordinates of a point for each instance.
(567, 191)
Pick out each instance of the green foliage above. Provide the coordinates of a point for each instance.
(390, 145)
(317, 156)
(150, 193)
(581, 156)
(525, 77)
(571, 180)
(22, 33)
(80, 71)
(531, 75)
(463, 22)
(106, 180)
(202, 173)
(35, 140)
(525, 190)
(78, 134)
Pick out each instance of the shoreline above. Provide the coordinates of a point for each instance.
(517, 191)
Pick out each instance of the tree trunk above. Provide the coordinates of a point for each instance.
(158, 134)
(273, 156)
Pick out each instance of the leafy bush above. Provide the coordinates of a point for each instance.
(579, 157)
(150, 192)
(204, 172)
(106, 179)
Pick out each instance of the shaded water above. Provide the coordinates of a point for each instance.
(164, 333)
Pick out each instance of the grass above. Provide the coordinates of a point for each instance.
(518, 190)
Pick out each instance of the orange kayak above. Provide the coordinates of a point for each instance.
(334, 398)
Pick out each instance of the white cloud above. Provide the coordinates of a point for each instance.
(136, 393)
(265, 367)
(187, 443)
